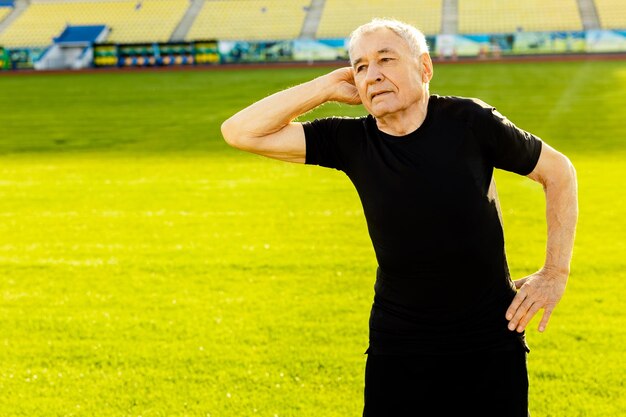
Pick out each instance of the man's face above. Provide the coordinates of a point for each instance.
(386, 73)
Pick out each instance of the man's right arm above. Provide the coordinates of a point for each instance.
(267, 128)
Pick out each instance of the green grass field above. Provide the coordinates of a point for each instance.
(147, 269)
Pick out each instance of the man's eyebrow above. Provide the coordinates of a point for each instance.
(379, 52)
(387, 50)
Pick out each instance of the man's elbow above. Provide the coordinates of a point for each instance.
(562, 173)
(229, 132)
(238, 137)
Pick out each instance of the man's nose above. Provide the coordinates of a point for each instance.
(373, 74)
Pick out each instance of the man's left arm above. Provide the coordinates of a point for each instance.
(544, 289)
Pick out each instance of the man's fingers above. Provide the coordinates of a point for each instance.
(545, 318)
(519, 282)
(534, 308)
(535, 292)
(520, 313)
(517, 301)
(525, 312)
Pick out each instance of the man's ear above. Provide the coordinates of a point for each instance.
(426, 67)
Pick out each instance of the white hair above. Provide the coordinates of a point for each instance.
(414, 38)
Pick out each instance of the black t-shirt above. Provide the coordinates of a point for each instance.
(442, 284)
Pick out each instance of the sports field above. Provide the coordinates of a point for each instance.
(147, 269)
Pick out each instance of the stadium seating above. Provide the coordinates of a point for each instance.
(155, 20)
(507, 16)
(612, 13)
(130, 20)
(4, 11)
(249, 20)
(341, 17)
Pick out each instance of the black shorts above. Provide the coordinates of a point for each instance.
(485, 384)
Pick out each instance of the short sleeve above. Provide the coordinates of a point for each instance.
(322, 143)
(509, 147)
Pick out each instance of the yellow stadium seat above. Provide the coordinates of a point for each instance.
(129, 20)
(341, 17)
(508, 16)
(249, 20)
(612, 13)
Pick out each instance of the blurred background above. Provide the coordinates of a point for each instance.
(47, 34)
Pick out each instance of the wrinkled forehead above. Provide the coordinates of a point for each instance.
(370, 42)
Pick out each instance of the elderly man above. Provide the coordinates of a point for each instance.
(447, 322)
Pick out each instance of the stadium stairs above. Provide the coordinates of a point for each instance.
(450, 17)
(186, 22)
(588, 14)
(19, 6)
(312, 19)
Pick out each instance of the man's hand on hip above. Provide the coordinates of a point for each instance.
(541, 290)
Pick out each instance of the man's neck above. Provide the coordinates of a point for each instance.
(405, 121)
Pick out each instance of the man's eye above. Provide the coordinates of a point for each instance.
(386, 59)
(359, 68)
